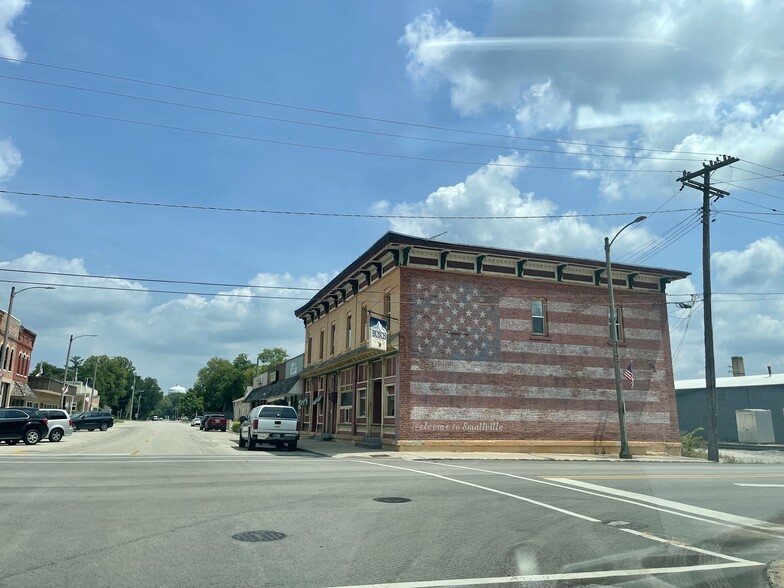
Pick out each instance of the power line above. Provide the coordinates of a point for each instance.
(324, 147)
(339, 128)
(155, 280)
(747, 189)
(657, 239)
(752, 204)
(340, 114)
(762, 166)
(147, 291)
(319, 214)
(759, 220)
(776, 177)
(667, 241)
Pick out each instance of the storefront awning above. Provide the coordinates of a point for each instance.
(22, 390)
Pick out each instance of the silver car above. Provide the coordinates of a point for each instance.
(59, 423)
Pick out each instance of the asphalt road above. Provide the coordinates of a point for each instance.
(158, 503)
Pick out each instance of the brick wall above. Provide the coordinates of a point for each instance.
(471, 369)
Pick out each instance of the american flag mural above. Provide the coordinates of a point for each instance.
(476, 370)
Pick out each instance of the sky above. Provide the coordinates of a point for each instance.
(229, 114)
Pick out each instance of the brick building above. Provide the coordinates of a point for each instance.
(14, 390)
(487, 349)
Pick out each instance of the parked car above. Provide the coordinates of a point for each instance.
(60, 424)
(270, 424)
(204, 419)
(19, 423)
(215, 421)
(91, 420)
(196, 421)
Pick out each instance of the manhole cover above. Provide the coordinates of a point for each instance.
(258, 536)
(392, 499)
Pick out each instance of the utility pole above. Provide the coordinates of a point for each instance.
(687, 179)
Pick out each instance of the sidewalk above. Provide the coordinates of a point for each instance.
(345, 450)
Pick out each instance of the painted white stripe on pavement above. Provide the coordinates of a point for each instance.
(608, 497)
(681, 545)
(761, 485)
(493, 490)
(705, 512)
(557, 577)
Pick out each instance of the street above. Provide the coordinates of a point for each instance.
(158, 504)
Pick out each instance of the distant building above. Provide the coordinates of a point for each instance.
(734, 393)
(14, 388)
(487, 349)
(278, 385)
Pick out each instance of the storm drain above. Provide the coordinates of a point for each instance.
(392, 499)
(255, 536)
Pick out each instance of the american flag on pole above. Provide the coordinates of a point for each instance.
(628, 374)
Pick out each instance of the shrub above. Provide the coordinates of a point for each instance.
(235, 427)
(692, 444)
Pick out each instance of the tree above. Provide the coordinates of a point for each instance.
(48, 370)
(76, 363)
(149, 394)
(191, 404)
(114, 378)
(221, 382)
(271, 357)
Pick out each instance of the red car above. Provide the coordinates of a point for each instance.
(215, 421)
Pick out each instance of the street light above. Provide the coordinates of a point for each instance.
(67, 359)
(133, 393)
(5, 331)
(613, 316)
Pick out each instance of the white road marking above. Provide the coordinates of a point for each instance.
(616, 498)
(493, 490)
(557, 577)
(761, 485)
(671, 504)
(735, 561)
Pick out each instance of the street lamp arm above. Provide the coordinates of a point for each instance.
(639, 219)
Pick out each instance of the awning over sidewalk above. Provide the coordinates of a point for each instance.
(272, 391)
(22, 390)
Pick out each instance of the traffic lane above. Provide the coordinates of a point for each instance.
(135, 513)
(752, 493)
(715, 531)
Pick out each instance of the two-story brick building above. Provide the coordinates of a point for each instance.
(487, 348)
(14, 389)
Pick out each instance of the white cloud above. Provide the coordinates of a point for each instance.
(748, 314)
(543, 108)
(10, 161)
(492, 191)
(9, 10)
(168, 337)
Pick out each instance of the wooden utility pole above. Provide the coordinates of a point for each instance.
(687, 179)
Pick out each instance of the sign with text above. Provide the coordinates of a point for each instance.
(378, 334)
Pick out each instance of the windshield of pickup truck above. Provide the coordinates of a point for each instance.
(278, 413)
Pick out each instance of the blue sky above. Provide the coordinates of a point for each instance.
(528, 81)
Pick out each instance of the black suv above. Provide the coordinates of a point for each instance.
(19, 423)
(92, 420)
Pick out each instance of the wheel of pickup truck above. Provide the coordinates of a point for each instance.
(242, 441)
(251, 443)
(292, 445)
(278, 446)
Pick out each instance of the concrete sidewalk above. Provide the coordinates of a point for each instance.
(345, 450)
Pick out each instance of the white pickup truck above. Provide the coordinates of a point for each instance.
(271, 424)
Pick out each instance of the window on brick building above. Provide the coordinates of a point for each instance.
(321, 344)
(387, 307)
(389, 404)
(539, 317)
(332, 339)
(310, 349)
(349, 341)
(361, 402)
(363, 324)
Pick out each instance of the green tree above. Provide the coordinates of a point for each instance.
(149, 394)
(191, 404)
(271, 357)
(221, 381)
(76, 364)
(47, 370)
(113, 381)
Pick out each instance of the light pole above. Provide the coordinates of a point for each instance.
(95, 375)
(7, 397)
(613, 316)
(67, 359)
(133, 393)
